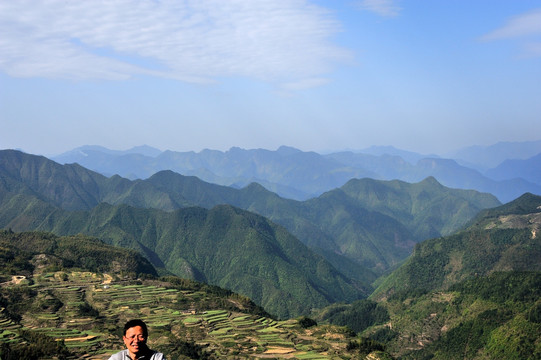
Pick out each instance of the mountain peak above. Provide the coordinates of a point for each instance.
(526, 204)
(287, 150)
(144, 150)
(431, 180)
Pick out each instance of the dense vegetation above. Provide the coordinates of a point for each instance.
(440, 262)
(374, 223)
(485, 317)
(223, 246)
(358, 315)
(68, 251)
(33, 345)
(493, 317)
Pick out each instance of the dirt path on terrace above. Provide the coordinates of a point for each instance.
(89, 337)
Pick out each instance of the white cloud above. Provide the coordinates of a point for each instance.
(191, 40)
(526, 26)
(386, 8)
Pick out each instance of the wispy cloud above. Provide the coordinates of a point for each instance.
(386, 8)
(280, 41)
(525, 28)
(519, 26)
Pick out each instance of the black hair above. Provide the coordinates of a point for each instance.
(134, 323)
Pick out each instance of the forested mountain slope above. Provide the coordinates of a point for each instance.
(500, 239)
(374, 223)
(75, 251)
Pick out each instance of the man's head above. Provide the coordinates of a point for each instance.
(135, 336)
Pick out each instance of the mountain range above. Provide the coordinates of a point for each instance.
(299, 175)
(487, 157)
(338, 243)
(418, 269)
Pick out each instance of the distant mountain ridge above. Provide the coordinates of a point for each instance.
(299, 175)
(527, 169)
(376, 233)
(487, 157)
(409, 156)
(84, 150)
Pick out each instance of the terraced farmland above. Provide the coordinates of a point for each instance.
(86, 311)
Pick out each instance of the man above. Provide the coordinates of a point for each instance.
(135, 339)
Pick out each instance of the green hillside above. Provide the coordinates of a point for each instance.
(426, 208)
(76, 251)
(491, 317)
(228, 247)
(527, 204)
(51, 309)
(377, 223)
(501, 239)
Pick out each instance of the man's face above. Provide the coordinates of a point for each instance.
(134, 340)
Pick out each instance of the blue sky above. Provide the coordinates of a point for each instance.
(322, 75)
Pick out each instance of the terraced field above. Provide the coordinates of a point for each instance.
(86, 311)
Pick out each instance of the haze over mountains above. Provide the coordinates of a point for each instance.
(299, 175)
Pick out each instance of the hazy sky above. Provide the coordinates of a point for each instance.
(426, 76)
